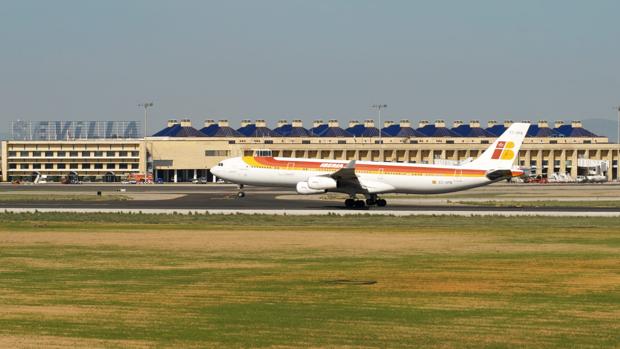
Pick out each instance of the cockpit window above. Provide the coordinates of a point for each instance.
(220, 164)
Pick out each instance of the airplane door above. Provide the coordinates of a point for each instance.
(381, 172)
(458, 175)
(289, 171)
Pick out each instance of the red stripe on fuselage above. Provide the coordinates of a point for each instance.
(334, 166)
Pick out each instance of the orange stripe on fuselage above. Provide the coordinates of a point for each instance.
(327, 166)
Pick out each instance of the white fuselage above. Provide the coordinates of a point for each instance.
(376, 177)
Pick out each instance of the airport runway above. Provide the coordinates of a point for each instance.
(222, 199)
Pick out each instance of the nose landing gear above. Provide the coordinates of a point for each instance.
(241, 193)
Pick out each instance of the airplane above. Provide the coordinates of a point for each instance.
(371, 178)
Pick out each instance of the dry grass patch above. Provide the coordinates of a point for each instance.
(436, 287)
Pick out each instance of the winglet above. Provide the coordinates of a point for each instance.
(351, 164)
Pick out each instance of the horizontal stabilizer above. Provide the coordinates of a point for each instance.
(499, 174)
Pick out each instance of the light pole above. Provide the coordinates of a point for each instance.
(146, 106)
(379, 107)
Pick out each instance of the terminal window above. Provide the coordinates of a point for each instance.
(85, 166)
(73, 154)
(134, 166)
(36, 153)
(73, 166)
(60, 166)
(135, 153)
(36, 166)
(111, 154)
(110, 166)
(49, 166)
(122, 166)
(49, 154)
(85, 154)
(61, 153)
(23, 153)
(98, 153)
(12, 153)
(122, 153)
(23, 166)
(98, 166)
(216, 152)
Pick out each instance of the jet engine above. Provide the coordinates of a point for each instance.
(323, 183)
(303, 188)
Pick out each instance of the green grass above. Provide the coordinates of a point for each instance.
(138, 221)
(544, 203)
(60, 197)
(120, 280)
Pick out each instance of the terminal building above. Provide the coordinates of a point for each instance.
(181, 152)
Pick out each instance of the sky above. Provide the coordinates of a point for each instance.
(97, 60)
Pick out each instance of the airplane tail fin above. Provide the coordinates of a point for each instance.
(503, 152)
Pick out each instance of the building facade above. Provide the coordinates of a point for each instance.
(90, 160)
(175, 158)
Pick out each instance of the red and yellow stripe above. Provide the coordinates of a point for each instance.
(328, 167)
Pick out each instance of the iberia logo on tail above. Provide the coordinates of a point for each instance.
(504, 151)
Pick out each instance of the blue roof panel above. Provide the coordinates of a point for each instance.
(356, 130)
(570, 131)
(433, 131)
(496, 130)
(317, 131)
(465, 130)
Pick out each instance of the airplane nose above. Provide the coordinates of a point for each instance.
(216, 170)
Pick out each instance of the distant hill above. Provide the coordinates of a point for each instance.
(603, 127)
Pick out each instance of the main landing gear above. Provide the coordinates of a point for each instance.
(354, 204)
(372, 200)
(241, 193)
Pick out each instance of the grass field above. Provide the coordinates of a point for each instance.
(114, 280)
(21, 197)
(542, 203)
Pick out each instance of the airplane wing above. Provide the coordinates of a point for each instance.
(346, 173)
(348, 180)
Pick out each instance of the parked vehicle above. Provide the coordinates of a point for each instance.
(201, 180)
(537, 179)
(596, 179)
